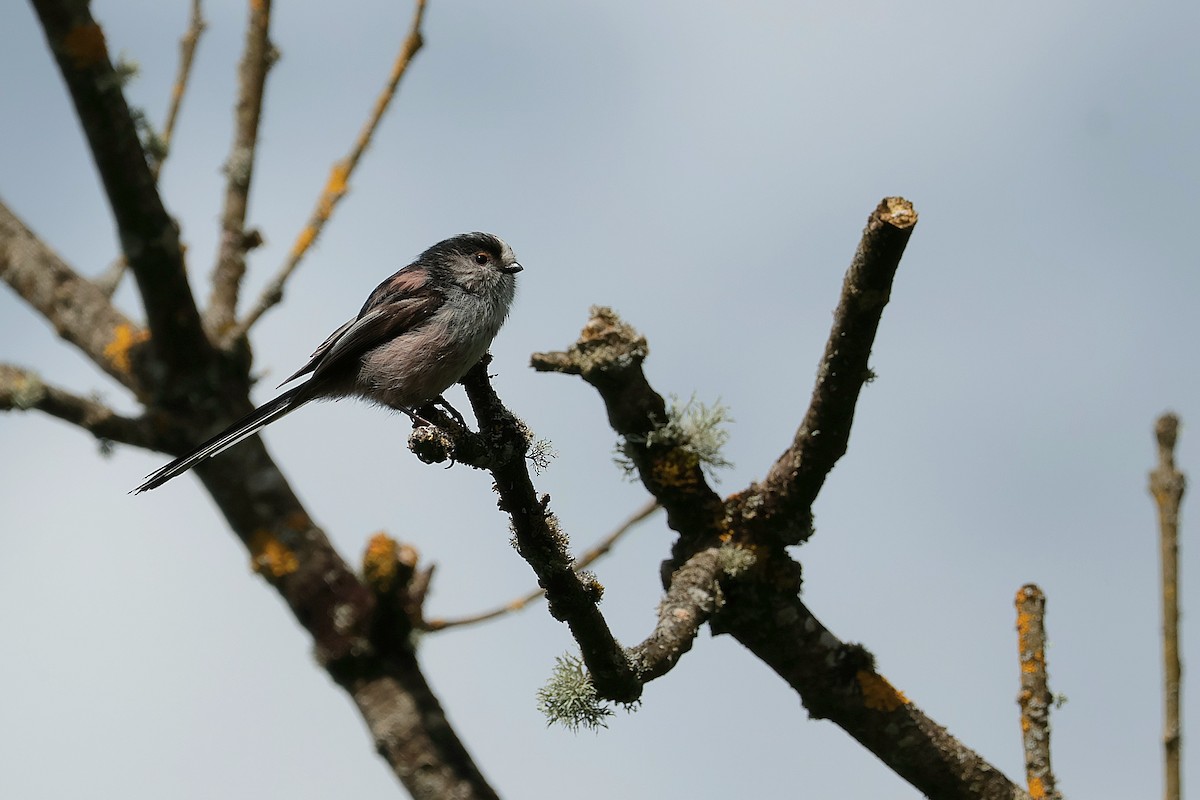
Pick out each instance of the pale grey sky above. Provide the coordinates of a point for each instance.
(705, 168)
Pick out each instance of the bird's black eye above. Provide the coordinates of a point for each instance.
(482, 259)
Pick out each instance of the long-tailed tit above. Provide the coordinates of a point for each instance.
(420, 331)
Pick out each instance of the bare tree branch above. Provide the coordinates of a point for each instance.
(730, 564)
(572, 598)
(609, 355)
(257, 59)
(782, 502)
(149, 237)
(339, 180)
(23, 390)
(80, 313)
(187, 54)
(582, 562)
(1167, 485)
(1035, 698)
(693, 594)
(189, 389)
(838, 681)
(360, 649)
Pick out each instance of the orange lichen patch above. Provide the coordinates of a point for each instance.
(381, 562)
(335, 187)
(1037, 789)
(1023, 620)
(85, 45)
(270, 556)
(878, 694)
(304, 240)
(125, 337)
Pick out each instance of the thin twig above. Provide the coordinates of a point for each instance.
(338, 183)
(239, 170)
(1167, 486)
(187, 54)
(23, 390)
(583, 562)
(1035, 698)
(110, 279)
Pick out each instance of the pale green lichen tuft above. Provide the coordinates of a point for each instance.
(569, 698)
(734, 559)
(693, 427)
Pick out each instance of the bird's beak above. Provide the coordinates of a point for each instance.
(512, 268)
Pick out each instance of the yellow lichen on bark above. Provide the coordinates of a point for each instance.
(1037, 789)
(270, 556)
(85, 45)
(381, 562)
(1031, 659)
(878, 693)
(334, 188)
(125, 337)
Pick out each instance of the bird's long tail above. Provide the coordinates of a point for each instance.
(246, 426)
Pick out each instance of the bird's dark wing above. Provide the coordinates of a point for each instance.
(399, 304)
(319, 353)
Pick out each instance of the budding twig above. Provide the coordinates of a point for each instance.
(187, 54)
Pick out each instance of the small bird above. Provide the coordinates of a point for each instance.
(418, 333)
